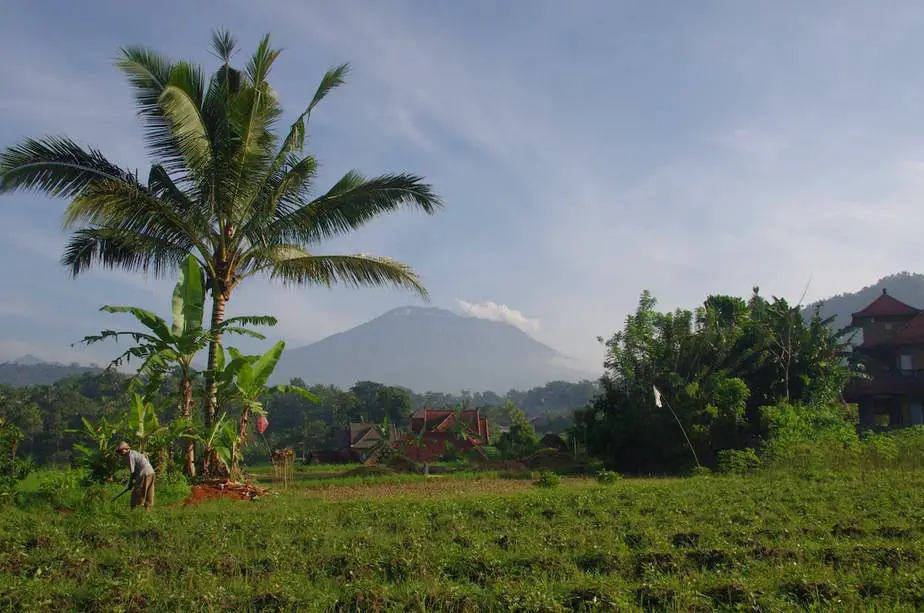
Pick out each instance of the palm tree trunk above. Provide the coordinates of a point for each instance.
(186, 394)
(211, 391)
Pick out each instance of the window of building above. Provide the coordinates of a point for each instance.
(887, 326)
(905, 362)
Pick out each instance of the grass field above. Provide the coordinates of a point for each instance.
(464, 543)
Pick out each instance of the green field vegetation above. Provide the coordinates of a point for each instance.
(833, 542)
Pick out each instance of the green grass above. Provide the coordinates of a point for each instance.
(477, 544)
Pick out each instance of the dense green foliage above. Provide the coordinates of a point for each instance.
(730, 543)
(47, 413)
(736, 374)
(13, 469)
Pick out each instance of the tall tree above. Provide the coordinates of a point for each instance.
(223, 186)
(717, 366)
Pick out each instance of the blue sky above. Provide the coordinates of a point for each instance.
(585, 151)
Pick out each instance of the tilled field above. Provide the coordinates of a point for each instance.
(761, 543)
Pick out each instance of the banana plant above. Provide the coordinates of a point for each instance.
(162, 347)
(243, 382)
(223, 441)
(98, 455)
(146, 433)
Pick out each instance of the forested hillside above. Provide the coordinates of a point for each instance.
(907, 287)
(39, 373)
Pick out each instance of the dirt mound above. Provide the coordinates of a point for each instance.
(401, 464)
(217, 490)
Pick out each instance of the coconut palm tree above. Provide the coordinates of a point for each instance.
(223, 186)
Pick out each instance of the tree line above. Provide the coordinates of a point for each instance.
(49, 416)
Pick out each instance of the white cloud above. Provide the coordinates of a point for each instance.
(500, 312)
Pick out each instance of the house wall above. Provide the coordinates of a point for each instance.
(877, 330)
(886, 360)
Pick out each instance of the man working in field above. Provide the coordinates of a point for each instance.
(141, 476)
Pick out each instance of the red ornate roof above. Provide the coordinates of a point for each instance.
(886, 306)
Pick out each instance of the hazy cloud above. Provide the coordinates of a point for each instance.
(500, 312)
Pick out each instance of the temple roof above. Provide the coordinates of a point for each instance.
(887, 306)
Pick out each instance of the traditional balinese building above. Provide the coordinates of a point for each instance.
(359, 443)
(892, 356)
(434, 432)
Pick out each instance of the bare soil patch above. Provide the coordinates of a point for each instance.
(223, 490)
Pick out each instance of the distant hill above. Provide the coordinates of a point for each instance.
(430, 349)
(30, 370)
(907, 287)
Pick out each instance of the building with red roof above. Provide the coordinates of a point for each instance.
(892, 355)
(436, 432)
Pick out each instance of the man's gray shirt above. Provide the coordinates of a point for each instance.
(138, 465)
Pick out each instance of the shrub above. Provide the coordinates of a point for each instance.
(547, 479)
(879, 450)
(700, 471)
(608, 477)
(800, 437)
(738, 461)
(12, 469)
(61, 488)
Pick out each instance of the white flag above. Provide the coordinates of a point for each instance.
(657, 395)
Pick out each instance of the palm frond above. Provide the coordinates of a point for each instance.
(223, 45)
(163, 187)
(295, 139)
(181, 102)
(131, 206)
(356, 270)
(332, 79)
(261, 62)
(253, 114)
(149, 74)
(291, 183)
(56, 166)
(118, 248)
(351, 203)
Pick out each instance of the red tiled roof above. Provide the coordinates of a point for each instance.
(885, 306)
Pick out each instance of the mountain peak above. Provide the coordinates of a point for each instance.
(429, 348)
(28, 360)
(418, 311)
